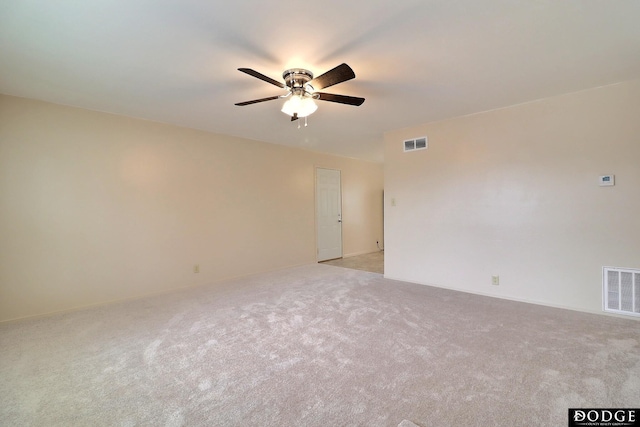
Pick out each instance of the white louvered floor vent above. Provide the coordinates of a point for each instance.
(621, 290)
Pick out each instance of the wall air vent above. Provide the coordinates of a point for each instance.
(621, 290)
(416, 144)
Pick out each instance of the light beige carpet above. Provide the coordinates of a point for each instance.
(315, 346)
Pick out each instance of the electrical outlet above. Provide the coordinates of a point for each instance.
(196, 268)
(495, 280)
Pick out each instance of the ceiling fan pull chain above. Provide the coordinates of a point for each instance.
(305, 121)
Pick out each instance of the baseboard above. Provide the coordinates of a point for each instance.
(526, 301)
(143, 296)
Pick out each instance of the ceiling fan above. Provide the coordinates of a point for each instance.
(302, 89)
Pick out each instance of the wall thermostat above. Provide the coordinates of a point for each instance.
(607, 180)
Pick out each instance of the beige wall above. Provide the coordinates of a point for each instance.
(97, 207)
(514, 192)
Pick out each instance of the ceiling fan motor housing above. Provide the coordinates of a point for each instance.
(296, 79)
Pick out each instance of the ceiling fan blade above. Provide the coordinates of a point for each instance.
(339, 74)
(260, 76)
(255, 101)
(294, 117)
(342, 99)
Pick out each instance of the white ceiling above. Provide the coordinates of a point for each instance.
(416, 61)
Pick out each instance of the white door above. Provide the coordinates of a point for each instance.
(328, 214)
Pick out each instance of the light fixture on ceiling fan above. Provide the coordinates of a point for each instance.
(301, 89)
(301, 103)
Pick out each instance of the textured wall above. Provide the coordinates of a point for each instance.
(514, 192)
(97, 207)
